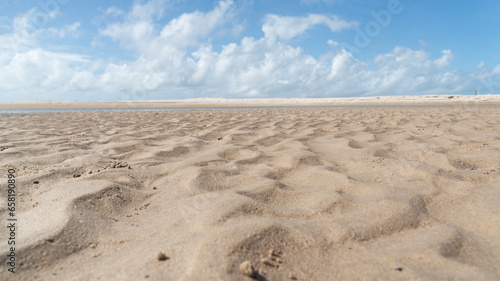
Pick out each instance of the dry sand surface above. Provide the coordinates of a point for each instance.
(279, 194)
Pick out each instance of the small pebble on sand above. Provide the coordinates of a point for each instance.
(161, 256)
(247, 269)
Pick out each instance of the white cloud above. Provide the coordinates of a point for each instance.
(263, 68)
(496, 70)
(187, 29)
(404, 69)
(332, 43)
(23, 32)
(27, 29)
(106, 15)
(25, 67)
(287, 28)
(403, 57)
(113, 11)
(138, 31)
(40, 70)
(70, 30)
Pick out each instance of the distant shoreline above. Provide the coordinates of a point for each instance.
(252, 103)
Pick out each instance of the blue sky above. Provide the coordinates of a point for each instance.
(176, 49)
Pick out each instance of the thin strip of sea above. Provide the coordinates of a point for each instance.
(27, 111)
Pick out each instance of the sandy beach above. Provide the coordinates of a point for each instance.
(292, 194)
(430, 100)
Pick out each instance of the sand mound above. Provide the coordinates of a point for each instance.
(276, 194)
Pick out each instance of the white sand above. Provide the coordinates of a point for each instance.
(338, 194)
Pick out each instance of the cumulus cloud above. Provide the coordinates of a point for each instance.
(288, 27)
(138, 31)
(177, 60)
(26, 30)
(187, 29)
(25, 67)
(21, 33)
(40, 70)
